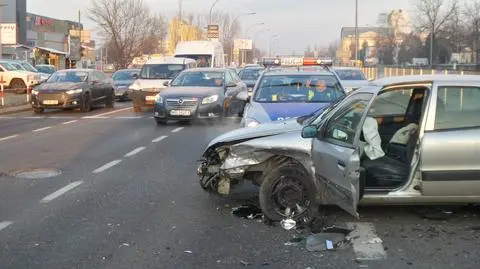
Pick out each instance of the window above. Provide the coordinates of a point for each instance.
(235, 77)
(199, 79)
(457, 107)
(394, 102)
(344, 124)
(228, 78)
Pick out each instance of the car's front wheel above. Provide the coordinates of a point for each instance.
(86, 105)
(287, 192)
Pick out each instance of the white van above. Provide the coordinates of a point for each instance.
(206, 53)
(154, 76)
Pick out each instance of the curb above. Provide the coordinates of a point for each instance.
(15, 109)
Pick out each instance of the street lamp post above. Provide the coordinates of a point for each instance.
(211, 9)
(255, 37)
(246, 33)
(231, 26)
(275, 36)
(356, 32)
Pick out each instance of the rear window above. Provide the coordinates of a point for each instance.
(161, 71)
(457, 107)
(350, 74)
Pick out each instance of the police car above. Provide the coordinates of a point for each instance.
(283, 92)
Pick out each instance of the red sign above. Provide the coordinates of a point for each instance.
(43, 21)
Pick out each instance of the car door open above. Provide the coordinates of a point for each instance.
(336, 152)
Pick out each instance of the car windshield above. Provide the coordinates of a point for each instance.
(8, 66)
(203, 60)
(68, 76)
(350, 74)
(124, 75)
(250, 73)
(298, 89)
(161, 71)
(28, 67)
(45, 69)
(200, 79)
(18, 66)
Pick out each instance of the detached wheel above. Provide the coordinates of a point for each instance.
(110, 101)
(86, 103)
(18, 86)
(287, 191)
(38, 110)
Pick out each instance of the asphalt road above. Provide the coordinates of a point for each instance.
(127, 197)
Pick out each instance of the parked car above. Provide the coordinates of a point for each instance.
(352, 78)
(46, 68)
(18, 80)
(154, 77)
(398, 140)
(199, 93)
(28, 67)
(74, 88)
(122, 80)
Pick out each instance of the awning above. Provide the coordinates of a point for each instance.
(52, 50)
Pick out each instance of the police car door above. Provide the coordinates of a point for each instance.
(336, 151)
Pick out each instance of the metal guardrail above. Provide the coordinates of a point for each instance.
(375, 73)
(14, 97)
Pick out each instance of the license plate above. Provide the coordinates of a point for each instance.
(180, 112)
(50, 102)
(150, 98)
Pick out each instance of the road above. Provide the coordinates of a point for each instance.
(125, 195)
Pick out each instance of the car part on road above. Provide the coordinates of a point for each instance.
(36, 173)
(86, 103)
(247, 212)
(37, 110)
(318, 242)
(110, 100)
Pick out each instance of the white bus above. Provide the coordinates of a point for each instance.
(206, 53)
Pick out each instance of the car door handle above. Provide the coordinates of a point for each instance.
(341, 165)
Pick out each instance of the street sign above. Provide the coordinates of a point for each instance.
(213, 31)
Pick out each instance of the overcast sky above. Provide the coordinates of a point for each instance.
(298, 22)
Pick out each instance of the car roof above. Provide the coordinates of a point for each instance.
(378, 84)
(169, 60)
(128, 70)
(78, 70)
(210, 69)
(294, 72)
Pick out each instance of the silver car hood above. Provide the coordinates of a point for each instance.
(262, 130)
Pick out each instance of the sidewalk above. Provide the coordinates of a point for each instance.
(14, 103)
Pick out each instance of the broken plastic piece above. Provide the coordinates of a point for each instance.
(329, 245)
(188, 251)
(288, 224)
(244, 263)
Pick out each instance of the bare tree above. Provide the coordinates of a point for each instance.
(432, 16)
(126, 22)
(472, 16)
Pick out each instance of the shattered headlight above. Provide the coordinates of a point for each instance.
(249, 122)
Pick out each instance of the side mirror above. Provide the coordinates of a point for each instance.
(166, 83)
(231, 85)
(135, 76)
(243, 96)
(309, 131)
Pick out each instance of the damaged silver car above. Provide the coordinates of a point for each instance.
(400, 140)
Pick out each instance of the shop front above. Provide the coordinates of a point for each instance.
(49, 56)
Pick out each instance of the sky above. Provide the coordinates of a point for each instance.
(298, 23)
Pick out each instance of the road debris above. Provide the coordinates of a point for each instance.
(248, 212)
(124, 245)
(329, 245)
(294, 241)
(188, 251)
(317, 242)
(288, 224)
(244, 263)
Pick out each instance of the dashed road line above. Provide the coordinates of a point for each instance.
(115, 111)
(158, 139)
(6, 117)
(8, 137)
(69, 122)
(177, 129)
(129, 117)
(5, 224)
(61, 192)
(135, 151)
(41, 129)
(35, 117)
(95, 117)
(366, 244)
(106, 166)
(62, 117)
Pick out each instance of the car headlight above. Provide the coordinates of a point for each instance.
(250, 123)
(74, 91)
(135, 87)
(158, 99)
(210, 99)
(34, 92)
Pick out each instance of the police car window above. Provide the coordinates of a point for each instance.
(298, 89)
(457, 107)
(200, 79)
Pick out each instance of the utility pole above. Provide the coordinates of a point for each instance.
(356, 32)
(80, 34)
(431, 48)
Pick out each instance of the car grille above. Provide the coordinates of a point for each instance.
(51, 96)
(182, 102)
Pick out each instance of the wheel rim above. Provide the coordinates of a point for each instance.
(290, 197)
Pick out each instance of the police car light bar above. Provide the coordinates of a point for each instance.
(270, 61)
(315, 61)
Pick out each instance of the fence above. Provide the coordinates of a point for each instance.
(14, 97)
(375, 72)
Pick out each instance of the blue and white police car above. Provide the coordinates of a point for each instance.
(285, 93)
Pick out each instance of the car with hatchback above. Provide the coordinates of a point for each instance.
(352, 78)
(398, 140)
(74, 88)
(122, 79)
(199, 93)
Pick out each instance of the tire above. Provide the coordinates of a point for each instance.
(86, 105)
(110, 100)
(38, 110)
(274, 205)
(18, 86)
(137, 108)
(161, 122)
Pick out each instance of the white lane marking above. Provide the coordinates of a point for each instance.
(6, 117)
(106, 166)
(366, 244)
(8, 137)
(35, 117)
(5, 224)
(151, 117)
(68, 122)
(129, 117)
(115, 111)
(41, 129)
(62, 117)
(95, 117)
(158, 139)
(135, 151)
(61, 191)
(177, 129)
